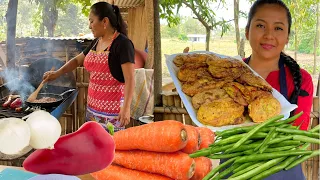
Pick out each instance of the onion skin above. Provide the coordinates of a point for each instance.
(91, 148)
(45, 130)
(14, 136)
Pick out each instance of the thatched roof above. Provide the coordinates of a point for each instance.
(126, 3)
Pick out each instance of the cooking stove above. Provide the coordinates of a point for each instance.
(55, 111)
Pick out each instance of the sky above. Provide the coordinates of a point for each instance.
(226, 12)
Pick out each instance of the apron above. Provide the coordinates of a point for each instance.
(105, 93)
(296, 172)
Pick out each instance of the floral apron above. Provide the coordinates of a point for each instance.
(105, 93)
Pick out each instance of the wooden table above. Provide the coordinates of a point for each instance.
(83, 177)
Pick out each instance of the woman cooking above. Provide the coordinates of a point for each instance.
(110, 61)
(268, 30)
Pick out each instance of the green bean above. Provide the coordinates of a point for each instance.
(286, 143)
(247, 169)
(306, 139)
(218, 168)
(248, 152)
(224, 156)
(279, 167)
(237, 130)
(315, 129)
(302, 159)
(224, 173)
(280, 139)
(267, 139)
(298, 132)
(243, 166)
(246, 147)
(265, 143)
(274, 169)
(284, 126)
(259, 169)
(289, 120)
(272, 155)
(228, 140)
(263, 148)
(255, 130)
(244, 130)
(210, 150)
(284, 148)
(236, 138)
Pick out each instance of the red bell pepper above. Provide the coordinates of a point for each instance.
(91, 148)
(16, 103)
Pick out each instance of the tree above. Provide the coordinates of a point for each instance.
(236, 23)
(191, 25)
(49, 12)
(316, 39)
(72, 21)
(300, 10)
(11, 18)
(202, 11)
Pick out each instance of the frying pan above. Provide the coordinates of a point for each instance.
(59, 98)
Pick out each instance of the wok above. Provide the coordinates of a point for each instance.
(59, 98)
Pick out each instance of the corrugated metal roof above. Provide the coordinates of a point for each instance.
(86, 37)
(128, 3)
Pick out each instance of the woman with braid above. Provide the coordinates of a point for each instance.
(268, 31)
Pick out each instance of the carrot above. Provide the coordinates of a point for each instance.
(176, 165)
(161, 136)
(114, 172)
(193, 140)
(207, 137)
(203, 167)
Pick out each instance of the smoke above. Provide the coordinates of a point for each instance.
(16, 83)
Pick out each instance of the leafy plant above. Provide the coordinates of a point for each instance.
(202, 11)
(183, 37)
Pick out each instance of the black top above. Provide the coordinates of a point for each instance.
(121, 51)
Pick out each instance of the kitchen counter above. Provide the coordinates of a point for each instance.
(83, 177)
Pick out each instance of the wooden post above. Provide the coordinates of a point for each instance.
(86, 76)
(165, 104)
(171, 116)
(11, 17)
(137, 20)
(154, 40)
(177, 103)
(67, 52)
(80, 97)
(151, 15)
(3, 57)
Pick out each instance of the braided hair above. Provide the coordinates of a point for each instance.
(289, 61)
(112, 12)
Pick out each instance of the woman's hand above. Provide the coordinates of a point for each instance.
(124, 117)
(50, 76)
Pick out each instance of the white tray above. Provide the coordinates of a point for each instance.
(286, 107)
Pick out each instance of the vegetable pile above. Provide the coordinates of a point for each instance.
(159, 150)
(258, 151)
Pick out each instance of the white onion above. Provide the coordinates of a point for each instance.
(14, 135)
(45, 129)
